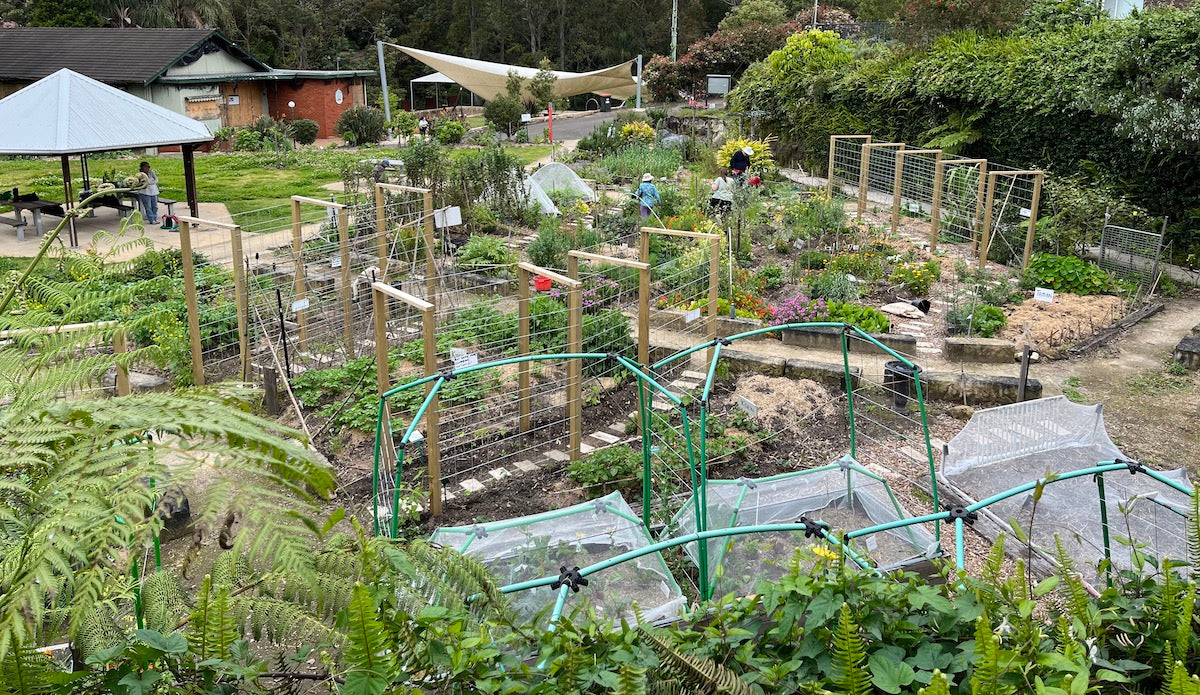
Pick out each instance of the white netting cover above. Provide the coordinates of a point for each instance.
(558, 177)
(535, 194)
(1005, 447)
(531, 547)
(845, 497)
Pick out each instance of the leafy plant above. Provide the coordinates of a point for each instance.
(983, 320)
(362, 125)
(915, 277)
(449, 131)
(487, 253)
(1066, 274)
(833, 286)
(868, 319)
(305, 130)
(608, 469)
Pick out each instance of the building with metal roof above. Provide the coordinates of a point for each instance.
(198, 73)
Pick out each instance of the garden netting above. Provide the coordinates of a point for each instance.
(532, 547)
(1008, 446)
(557, 177)
(843, 495)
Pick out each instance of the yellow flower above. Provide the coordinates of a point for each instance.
(822, 551)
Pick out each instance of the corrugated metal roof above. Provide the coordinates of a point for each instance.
(69, 113)
(115, 56)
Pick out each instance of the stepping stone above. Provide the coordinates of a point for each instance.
(447, 495)
(663, 405)
(606, 437)
(472, 485)
(585, 448)
(526, 466)
(556, 455)
(914, 455)
(924, 343)
(499, 473)
(692, 375)
(618, 427)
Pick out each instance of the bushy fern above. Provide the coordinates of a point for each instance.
(939, 685)
(695, 674)
(212, 623)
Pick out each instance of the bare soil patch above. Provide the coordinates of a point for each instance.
(1055, 326)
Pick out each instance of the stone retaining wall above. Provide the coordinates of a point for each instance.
(988, 350)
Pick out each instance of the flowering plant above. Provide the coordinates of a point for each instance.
(799, 309)
(915, 277)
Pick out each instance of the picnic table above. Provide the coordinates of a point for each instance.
(37, 207)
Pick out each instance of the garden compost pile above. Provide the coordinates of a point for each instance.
(1055, 326)
(784, 403)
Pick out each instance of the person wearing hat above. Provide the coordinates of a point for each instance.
(647, 195)
(378, 172)
(739, 163)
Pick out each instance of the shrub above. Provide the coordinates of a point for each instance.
(305, 130)
(771, 277)
(247, 141)
(449, 132)
(866, 318)
(611, 468)
(504, 113)
(814, 260)
(486, 253)
(403, 122)
(762, 162)
(362, 125)
(754, 13)
(549, 249)
(865, 265)
(637, 131)
(983, 320)
(483, 219)
(834, 287)
(917, 278)
(1066, 274)
(604, 139)
(921, 21)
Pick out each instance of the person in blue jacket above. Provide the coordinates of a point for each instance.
(647, 195)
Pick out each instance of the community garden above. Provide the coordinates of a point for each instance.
(464, 423)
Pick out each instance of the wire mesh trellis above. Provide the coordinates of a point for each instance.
(1132, 255)
(845, 163)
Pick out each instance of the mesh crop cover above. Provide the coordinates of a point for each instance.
(531, 547)
(558, 177)
(843, 495)
(1005, 447)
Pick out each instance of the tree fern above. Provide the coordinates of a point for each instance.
(697, 675)
(212, 625)
(370, 657)
(849, 655)
(164, 602)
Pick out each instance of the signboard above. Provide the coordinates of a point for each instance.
(463, 359)
(1026, 212)
(748, 406)
(691, 316)
(300, 305)
(719, 85)
(913, 207)
(1042, 294)
(335, 262)
(233, 100)
(447, 217)
(525, 118)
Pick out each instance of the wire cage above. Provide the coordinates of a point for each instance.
(1001, 449)
(842, 495)
(532, 547)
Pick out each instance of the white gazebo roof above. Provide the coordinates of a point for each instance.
(436, 77)
(488, 80)
(68, 113)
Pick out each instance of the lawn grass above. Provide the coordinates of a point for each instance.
(250, 184)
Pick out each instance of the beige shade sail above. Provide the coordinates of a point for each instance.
(488, 80)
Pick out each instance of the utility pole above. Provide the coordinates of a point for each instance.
(674, 28)
(639, 81)
(387, 107)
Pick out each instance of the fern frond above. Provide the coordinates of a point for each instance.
(98, 631)
(700, 675)
(24, 671)
(994, 563)
(1068, 581)
(1184, 634)
(369, 655)
(985, 679)
(939, 685)
(164, 602)
(212, 626)
(1179, 682)
(849, 655)
(630, 680)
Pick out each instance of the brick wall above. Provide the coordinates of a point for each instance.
(315, 99)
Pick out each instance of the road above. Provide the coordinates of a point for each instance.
(573, 128)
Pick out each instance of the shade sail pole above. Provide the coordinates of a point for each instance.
(387, 107)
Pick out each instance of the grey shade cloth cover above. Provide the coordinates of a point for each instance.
(68, 113)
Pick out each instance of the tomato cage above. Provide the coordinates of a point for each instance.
(824, 503)
(519, 552)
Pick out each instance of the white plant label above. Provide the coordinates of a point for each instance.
(463, 359)
(1026, 212)
(691, 316)
(335, 262)
(299, 305)
(1042, 294)
(748, 406)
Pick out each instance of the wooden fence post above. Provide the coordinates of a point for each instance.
(120, 347)
(242, 302)
(193, 308)
(1033, 216)
(298, 282)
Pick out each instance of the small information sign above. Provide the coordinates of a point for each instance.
(691, 316)
(1042, 294)
(748, 406)
(463, 359)
(300, 305)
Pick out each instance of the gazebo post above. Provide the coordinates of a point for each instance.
(189, 178)
(69, 198)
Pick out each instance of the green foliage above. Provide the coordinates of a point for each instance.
(604, 139)
(486, 253)
(634, 160)
(1066, 274)
(833, 287)
(549, 249)
(864, 265)
(982, 320)
(917, 278)
(504, 113)
(921, 21)
(604, 470)
(247, 140)
(404, 123)
(305, 130)
(771, 276)
(449, 131)
(541, 85)
(868, 319)
(849, 656)
(754, 13)
(492, 177)
(362, 125)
